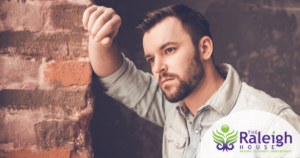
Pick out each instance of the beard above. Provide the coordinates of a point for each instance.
(194, 74)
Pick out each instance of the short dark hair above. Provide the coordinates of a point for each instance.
(193, 21)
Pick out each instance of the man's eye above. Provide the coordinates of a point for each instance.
(151, 60)
(169, 50)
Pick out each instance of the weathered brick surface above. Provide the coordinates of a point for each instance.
(19, 72)
(31, 72)
(27, 17)
(67, 16)
(45, 119)
(53, 153)
(50, 45)
(45, 75)
(35, 99)
(69, 72)
(41, 15)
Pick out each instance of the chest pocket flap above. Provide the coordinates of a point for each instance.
(173, 135)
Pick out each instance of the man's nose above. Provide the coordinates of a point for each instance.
(159, 66)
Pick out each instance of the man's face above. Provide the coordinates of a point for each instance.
(175, 62)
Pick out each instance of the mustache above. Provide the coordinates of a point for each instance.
(165, 74)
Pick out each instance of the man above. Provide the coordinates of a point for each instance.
(187, 92)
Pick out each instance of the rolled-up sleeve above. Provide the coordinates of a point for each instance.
(137, 90)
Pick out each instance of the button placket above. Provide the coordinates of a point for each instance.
(196, 129)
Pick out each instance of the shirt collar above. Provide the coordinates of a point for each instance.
(224, 99)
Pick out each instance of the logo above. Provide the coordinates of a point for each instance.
(225, 141)
(250, 133)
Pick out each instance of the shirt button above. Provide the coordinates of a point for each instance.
(197, 131)
(177, 144)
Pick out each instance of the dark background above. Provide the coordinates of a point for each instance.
(259, 38)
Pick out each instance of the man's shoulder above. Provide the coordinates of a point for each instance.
(254, 99)
(251, 98)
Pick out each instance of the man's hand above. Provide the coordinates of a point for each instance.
(102, 23)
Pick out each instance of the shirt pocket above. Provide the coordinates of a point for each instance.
(176, 142)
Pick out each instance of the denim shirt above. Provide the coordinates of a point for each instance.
(183, 132)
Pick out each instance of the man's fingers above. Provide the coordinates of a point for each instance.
(100, 22)
(94, 16)
(106, 41)
(86, 15)
(109, 28)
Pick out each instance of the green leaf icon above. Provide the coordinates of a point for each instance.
(273, 132)
(225, 141)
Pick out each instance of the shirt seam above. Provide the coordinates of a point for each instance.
(280, 110)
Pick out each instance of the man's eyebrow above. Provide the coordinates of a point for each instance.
(147, 56)
(166, 44)
(161, 47)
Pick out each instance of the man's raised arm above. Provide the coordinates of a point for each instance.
(102, 24)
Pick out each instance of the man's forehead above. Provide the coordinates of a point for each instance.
(168, 30)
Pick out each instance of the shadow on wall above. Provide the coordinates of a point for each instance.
(118, 132)
(260, 39)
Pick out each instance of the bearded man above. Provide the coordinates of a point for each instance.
(186, 92)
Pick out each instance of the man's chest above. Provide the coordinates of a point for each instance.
(183, 134)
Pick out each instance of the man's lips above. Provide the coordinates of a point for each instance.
(166, 79)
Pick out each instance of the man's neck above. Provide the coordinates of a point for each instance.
(210, 83)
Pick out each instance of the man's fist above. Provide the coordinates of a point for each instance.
(102, 23)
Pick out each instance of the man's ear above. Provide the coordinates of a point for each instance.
(205, 47)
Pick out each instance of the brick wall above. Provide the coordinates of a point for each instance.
(44, 113)
(45, 99)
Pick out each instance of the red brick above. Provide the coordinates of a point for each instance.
(53, 153)
(19, 73)
(19, 16)
(41, 15)
(50, 45)
(69, 72)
